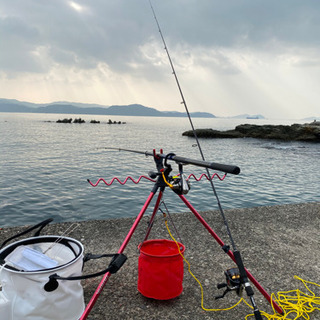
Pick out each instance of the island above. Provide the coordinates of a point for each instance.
(12, 105)
(309, 132)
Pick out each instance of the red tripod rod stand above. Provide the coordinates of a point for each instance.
(105, 278)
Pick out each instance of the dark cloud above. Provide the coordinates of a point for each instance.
(113, 31)
(18, 41)
(244, 22)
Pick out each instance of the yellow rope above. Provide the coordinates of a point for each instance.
(294, 303)
(189, 269)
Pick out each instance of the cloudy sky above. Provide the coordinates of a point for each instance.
(231, 57)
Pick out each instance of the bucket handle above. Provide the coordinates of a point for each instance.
(40, 225)
(116, 263)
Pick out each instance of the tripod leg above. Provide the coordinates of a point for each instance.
(155, 210)
(230, 254)
(105, 278)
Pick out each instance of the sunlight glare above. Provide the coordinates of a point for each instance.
(76, 6)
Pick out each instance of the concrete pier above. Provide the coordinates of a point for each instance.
(276, 243)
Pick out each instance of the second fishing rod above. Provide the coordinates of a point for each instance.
(242, 272)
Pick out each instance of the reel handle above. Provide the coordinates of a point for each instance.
(221, 285)
(153, 174)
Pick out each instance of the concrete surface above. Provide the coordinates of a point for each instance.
(276, 243)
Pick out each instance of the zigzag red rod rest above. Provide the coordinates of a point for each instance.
(117, 179)
(145, 177)
(204, 175)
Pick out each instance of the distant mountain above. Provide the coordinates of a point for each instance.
(9, 102)
(13, 107)
(78, 104)
(134, 110)
(10, 105)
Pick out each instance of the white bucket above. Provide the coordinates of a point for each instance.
(25, 268)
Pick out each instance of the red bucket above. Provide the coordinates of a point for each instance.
(160, 269)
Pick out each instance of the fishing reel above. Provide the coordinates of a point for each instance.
(179, 183)
(233, 283)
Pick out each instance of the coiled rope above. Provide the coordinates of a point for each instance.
(294, 303)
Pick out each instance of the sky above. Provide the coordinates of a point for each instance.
(231, 57)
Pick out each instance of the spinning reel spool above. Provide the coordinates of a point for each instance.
(180, 184)
(233, 283)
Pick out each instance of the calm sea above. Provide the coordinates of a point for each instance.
(44, 167)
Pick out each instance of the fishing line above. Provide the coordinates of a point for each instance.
(169, 215)
(237, 256)
(69, 230)
(193, 129)
(193, 276)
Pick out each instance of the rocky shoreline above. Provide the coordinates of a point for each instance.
(309, 132)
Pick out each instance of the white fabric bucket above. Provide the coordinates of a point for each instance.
(24, 272)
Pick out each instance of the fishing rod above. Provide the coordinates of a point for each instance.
(200, 163)
(193, 129)
(243, 275)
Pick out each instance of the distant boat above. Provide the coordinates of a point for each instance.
(252, 117)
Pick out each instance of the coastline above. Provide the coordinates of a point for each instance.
(276, 243)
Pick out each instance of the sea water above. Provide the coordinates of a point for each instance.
(45, 165)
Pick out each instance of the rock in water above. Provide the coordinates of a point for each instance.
(296, 132)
